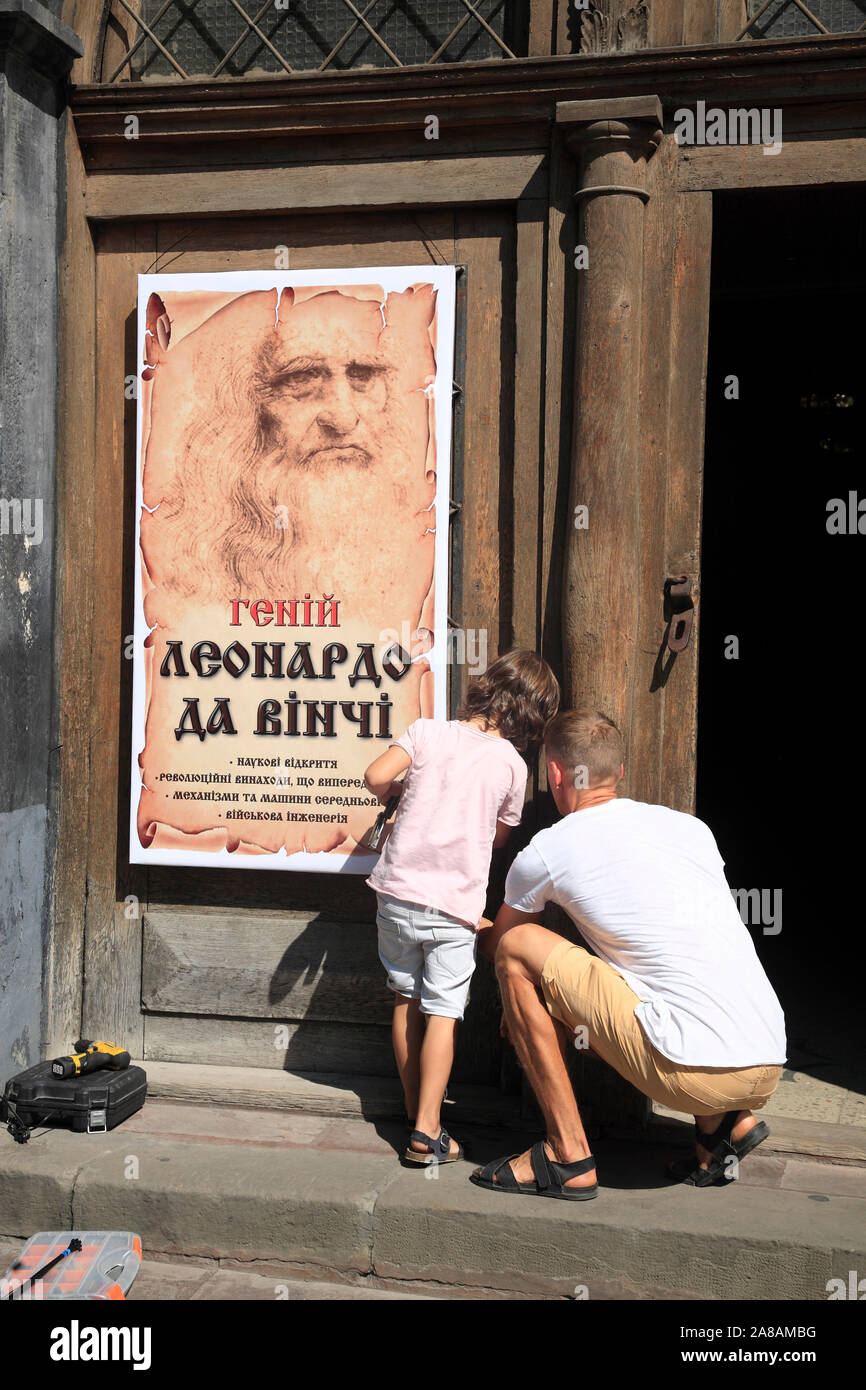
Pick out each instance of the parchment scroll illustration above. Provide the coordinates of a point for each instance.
(293, 454)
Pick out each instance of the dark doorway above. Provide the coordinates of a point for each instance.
(780, 751)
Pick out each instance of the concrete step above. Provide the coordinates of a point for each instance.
(319, 1093)
(377, 1097)
(845, 1144)
(290, 1197)
(196, 1281)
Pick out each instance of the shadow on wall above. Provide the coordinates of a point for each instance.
(330, 986)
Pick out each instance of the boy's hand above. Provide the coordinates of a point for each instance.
(484, 926)
(394, 789)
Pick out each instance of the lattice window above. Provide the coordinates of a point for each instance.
(780, 19)
(235, 38)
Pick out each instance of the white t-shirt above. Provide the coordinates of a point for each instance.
(646, 887)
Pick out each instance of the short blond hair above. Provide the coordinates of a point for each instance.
(585, 738)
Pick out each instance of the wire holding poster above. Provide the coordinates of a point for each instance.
(294, 434)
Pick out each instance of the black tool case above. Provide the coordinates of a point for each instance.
(94, 1103)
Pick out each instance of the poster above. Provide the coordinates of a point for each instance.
(293, 457)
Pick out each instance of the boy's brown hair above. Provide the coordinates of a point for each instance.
(518, 694)
(585, 738)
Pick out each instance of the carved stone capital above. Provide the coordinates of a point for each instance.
(614, 26)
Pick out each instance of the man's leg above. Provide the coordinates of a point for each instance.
(520, 957)
(729, 1093)
(708, 1123)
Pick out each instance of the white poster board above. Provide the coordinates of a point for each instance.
(294, 436)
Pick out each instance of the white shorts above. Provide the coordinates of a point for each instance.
(428, 954)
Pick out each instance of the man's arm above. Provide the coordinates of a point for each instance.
(528, 881)
(379, 777)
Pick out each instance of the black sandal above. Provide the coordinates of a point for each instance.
(550, 1177)
(721, 1148)
(441, 1149)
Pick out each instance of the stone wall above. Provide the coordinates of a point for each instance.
(35, 54)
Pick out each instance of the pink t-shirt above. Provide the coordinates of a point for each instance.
(460, 782)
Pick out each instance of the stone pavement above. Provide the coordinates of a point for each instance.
(232, 1202)
(207, 1280)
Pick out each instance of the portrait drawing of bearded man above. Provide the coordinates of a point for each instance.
(288, 451)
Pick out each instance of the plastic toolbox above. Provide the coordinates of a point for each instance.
(104, 1268)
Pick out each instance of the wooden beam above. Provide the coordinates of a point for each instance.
(272, 1044)
(699, 22)
(299, 188)
(677, 253)
(731, 18)
(87, 19)
(660, 270)
(800, 161)
(528, 406)
(245, 965)
(76, 540)
(601, 583)
(483, 243)
(527, 476)
(692, 219)
(666, 24)
(800, 70)
(112, 966)
(542, 27)
(558, 403)
(253, 150)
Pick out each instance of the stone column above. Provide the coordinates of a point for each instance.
(611, 142)
(36, 53)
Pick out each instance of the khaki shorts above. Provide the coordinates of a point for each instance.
(579, 988)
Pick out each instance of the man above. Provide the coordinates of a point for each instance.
(675, 999)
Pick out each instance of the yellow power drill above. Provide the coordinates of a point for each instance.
(90, 1056)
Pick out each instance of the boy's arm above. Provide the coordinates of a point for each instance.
(379, 777)
(503, 830)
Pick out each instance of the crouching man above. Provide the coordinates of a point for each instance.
(675, 998)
